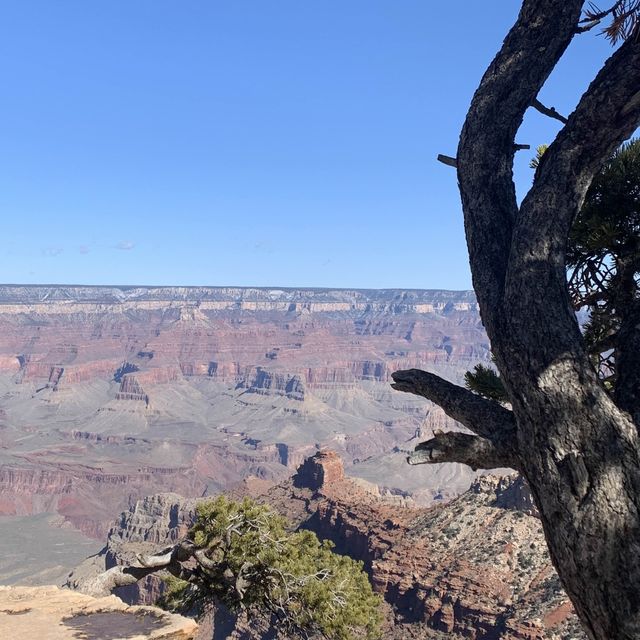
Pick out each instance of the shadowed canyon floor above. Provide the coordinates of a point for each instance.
(40, 549)
(109, 394)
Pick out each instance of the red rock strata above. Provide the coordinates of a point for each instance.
(325, 468)
(476, 567)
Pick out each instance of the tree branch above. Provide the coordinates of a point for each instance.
(478, 453)
(587, 26)
(548, 111)
(157, 560)
(607, 114)
(201, 556)
(121, 576)
(531, 50)
(487, 418)
(448, 160)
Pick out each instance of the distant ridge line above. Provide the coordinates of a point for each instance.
(207, 286)
(111, 294)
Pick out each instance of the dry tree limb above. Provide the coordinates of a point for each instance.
(484, 417)
(548, 111)
(448, 160)
(169, 559)
(496, 445)
(478, 453)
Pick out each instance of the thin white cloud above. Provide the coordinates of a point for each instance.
(125, 245)
(51, 251)
(263, 246)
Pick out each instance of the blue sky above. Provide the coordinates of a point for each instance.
(262, 142)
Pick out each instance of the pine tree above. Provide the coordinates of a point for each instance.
(247, 560)
(577, 444)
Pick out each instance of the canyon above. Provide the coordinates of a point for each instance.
(142, 401)
(475, 567)
(109, 394)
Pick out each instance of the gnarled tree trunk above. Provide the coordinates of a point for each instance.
(578, 449)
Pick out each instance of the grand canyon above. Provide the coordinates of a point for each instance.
(108, 394)
(121, 407)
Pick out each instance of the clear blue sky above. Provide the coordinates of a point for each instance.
(281, 142)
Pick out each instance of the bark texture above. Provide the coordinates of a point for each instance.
(577, 447)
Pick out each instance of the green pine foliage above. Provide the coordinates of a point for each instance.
(623, 16)
(603, 255)
(486, 382)
(252, 563)
(607, 229)
(535, 162)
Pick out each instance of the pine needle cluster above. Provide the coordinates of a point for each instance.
(624, 16)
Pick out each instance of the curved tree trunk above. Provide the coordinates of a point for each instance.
(578, 449)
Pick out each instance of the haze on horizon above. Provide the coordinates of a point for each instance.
(290, 144)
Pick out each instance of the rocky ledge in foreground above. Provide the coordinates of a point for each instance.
(61, 614)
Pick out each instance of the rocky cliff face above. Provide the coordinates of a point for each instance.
(268, 383)
(475, 568)
(160, 519)
(323, 469)
(295, 300)
(85, 497)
